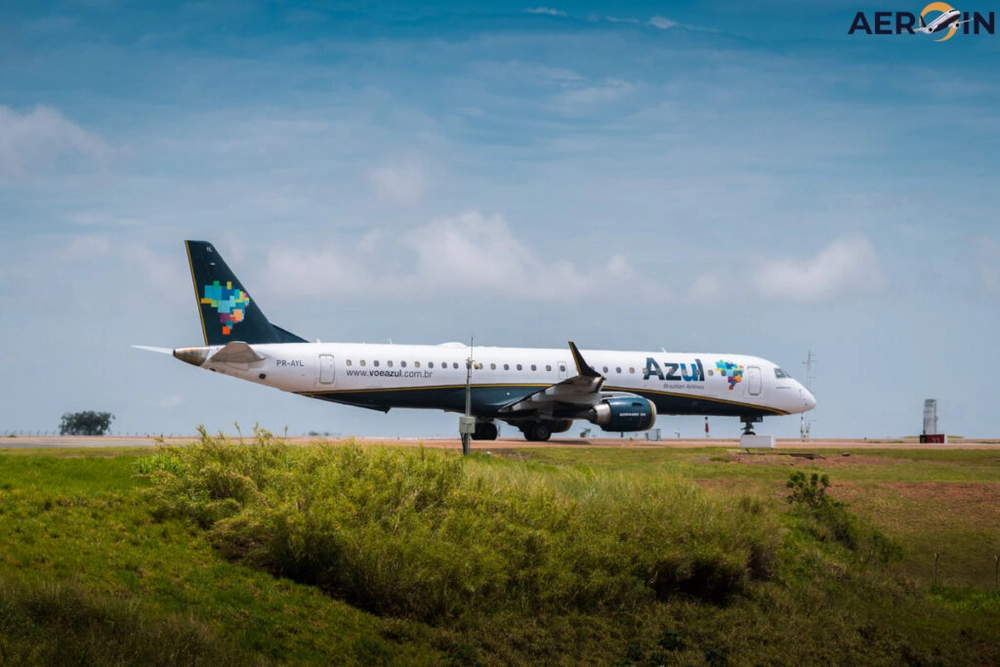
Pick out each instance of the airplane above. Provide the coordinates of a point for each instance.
(538, 391)
(945, 20)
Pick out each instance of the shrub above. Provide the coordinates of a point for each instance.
(432, 536)
(85, 423)
(830, 520)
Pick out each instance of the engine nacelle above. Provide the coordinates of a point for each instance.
(623, 413)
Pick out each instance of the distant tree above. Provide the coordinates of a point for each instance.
(85, 423)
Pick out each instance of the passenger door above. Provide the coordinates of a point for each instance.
(753, 380)
(326, 369)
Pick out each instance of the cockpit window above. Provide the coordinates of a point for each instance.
(778, 373)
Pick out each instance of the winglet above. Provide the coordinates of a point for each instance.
(582, 367)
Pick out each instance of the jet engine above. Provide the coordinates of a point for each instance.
(623, 413)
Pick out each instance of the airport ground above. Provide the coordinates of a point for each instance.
(83, 535)
(508, 443)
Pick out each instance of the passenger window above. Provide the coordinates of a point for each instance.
(533, 367)
(430, 364)
(506, 367)
(362, 362)
(519, 367)
(348, 362)
(605, 369)
(416, 364)
(402, 364)
(375, 363)
(631, 370)
(493, 367)
(548, 367)
(389, 364)
(618, 369)
(562, 368)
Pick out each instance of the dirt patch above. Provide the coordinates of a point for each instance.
(793, 459)
(986, 494)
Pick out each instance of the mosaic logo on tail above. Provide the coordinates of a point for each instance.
(231, 304)
(730, 371)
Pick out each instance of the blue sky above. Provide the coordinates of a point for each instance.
(698, 176)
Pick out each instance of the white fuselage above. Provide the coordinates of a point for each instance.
(434, 376)
(540, 391)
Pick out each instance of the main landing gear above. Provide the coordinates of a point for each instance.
(536, 431)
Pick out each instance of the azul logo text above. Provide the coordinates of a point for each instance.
(675, 372)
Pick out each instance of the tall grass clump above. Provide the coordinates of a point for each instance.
(215, 479)
(431, 536)
(829, 520)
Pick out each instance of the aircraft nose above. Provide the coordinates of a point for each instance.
(808, 400)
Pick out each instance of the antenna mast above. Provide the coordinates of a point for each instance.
(805, 425)
(467, 423)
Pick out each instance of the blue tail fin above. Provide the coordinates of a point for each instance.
(227, 312)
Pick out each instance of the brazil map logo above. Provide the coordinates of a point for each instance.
(230, 303)
(730, 371)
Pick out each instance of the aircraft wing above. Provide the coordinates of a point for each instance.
(572, 395)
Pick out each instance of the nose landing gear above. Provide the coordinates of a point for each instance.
(749, 421)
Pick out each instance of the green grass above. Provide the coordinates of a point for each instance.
(263, 553)
(74, 538)
(932, 501)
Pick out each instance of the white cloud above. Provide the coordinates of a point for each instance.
(987, 265)
(84, 248)
(33, 140)
(98, 219)
(609, 91)
(400, 183)
(847, 265)
(707, 287)
(662, 23)
(170, 402)
(467, 253)
(546, 10)
(317, 272)
(49, 25)
(163, 274)
(619, 267)
(472, 253)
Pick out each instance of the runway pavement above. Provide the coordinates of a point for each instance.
(448, 443)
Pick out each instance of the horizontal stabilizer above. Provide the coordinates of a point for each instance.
(237, 352)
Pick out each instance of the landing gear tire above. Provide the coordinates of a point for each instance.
(537, 432)
(485, 431)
